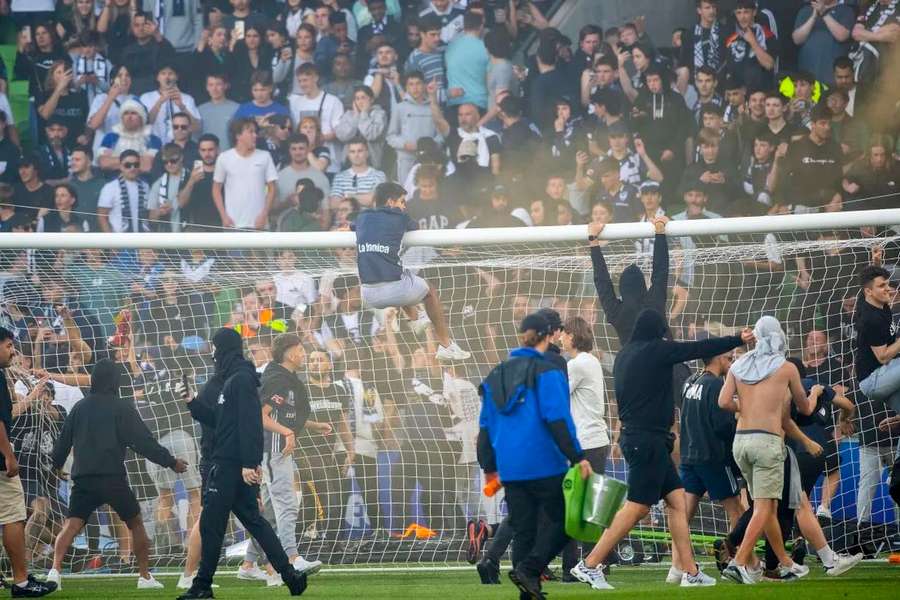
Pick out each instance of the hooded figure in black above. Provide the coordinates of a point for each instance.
(98, 430)
(621, 313)
(234, 475)
(643, 379)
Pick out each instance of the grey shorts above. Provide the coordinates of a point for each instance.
(410, 289)
(182, 446)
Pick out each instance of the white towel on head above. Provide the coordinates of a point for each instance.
(768, 355)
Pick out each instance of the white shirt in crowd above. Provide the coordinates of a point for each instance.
(588, 397)
(109, 198)
(327, 108)
(162, 126)
(244, 180)
(295, 288)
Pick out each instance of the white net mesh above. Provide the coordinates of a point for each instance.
(415, 481)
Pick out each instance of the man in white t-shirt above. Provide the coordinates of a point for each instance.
(122, 206)
(315, 102)
(245, 180)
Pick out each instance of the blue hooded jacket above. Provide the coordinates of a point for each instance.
(526, 417)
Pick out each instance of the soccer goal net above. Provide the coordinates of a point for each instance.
(397, 479)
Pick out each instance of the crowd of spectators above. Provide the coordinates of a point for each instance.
(226, 115)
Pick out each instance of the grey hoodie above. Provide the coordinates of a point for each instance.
(410, 121)
(182, 31)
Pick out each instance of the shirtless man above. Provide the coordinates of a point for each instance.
(760, 379)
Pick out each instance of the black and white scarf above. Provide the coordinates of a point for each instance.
(98, 66)
(706, 51)
(741, 50)
(54, 161)
(886, 13)
(125, 206)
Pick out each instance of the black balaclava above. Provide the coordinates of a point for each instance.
(229, 349)
(632, 285)
(105, 377)
(650, 325)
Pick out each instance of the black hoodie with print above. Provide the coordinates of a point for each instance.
(101, 426)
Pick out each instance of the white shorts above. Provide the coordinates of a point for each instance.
(182, 446)
(410, 289)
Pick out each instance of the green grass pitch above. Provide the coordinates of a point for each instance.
(869, 581)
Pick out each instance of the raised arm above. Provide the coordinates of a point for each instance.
(611, 304)
(676, 352)
(659, 277)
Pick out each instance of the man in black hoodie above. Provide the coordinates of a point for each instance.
(621, 313)
(98, 431)
(643, 382)
(235, 473)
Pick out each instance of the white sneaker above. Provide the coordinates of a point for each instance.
(701, 579)
(592, 577)
(252, 574)
(452, 353)
(185, 582)
(823, 512)
(675, 575)
(419, 326)
(799, 570)
(54, 576)
(274, 580)
(307, 567)
(149, 584)
(842, 564)
(741, 574)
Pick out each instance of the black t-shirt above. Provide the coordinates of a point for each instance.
(30, 202)
(326, 405)
(71, 109)
(200, 208)
(707, 431)
(33, 435)
(874, 327)
(5, 412)
(815, 425)
(812, 167)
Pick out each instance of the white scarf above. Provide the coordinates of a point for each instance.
(484, 155)
(131, 140)
(768, 355)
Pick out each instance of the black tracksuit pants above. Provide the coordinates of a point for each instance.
(227, 493)
(537, 514)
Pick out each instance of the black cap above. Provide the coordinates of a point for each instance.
(552, 317)
(617, 128)
(500, 190)
(280, 120)
(55, 120)
(536, 322)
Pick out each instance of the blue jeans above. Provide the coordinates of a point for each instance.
(884, 384)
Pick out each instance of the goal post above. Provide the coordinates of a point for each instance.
(152, 301)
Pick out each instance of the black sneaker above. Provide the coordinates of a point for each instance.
(722, 555)
(549, 575)
(780, 574)
(33, 589)
(296, 583)
(528, 587)
(194, 593)
(488, 571)
(799, 552)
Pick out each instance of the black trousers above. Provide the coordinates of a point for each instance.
(227, 493)
(537, 514)
(325, 473)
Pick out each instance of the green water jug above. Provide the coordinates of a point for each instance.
(591, 504)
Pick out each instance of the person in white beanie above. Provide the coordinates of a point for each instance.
(131, 133)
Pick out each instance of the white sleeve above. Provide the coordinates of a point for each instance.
(576, 375)
(219, 173)
(153, 198)
(773, 253)
(335, 112)
(107, 196)
(271, 171)
(191, 106)
(7, 109)
(96, 103)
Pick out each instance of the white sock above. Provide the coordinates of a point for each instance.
(826, 555)
(22, 584)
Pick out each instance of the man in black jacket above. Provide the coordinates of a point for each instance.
(643, 383)
(98, 431)
(235, 474)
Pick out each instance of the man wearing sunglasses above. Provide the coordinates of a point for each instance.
(122, 206)
(181, 136)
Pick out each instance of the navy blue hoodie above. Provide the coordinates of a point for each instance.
(526, 418)
(379, 239)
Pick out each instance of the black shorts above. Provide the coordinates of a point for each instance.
(811, 467)
(91, 492)
(832, 455)
(651, 472)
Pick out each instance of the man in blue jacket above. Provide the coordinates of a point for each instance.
(385, 283)
(527, 437)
